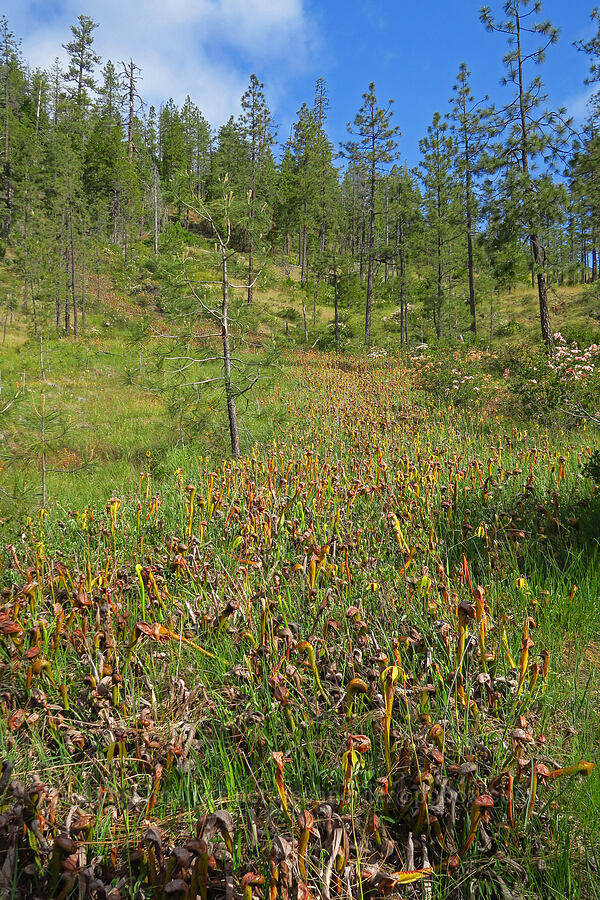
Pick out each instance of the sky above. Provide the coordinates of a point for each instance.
(209, 48)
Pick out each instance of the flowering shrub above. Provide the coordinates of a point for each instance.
(463, 376)
(463, 387)
(571, 363)
(566, 383)
(377, 353)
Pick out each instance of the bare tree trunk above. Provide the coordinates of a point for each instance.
(470, 262)
(67, 300)
(29, 281)
(155, 205)
(402, 264)
(97, 276)
(440, 272)
(43, 442)
(354, 238)
(229, 393)
(73, 290)
(83, 297)
(6, 148)
(115, 214)
(251, 217)
(304, 267)
(335, 303)
(304, 317)
(42, 372)
(405, 307)
(131, 73)
(371, 249)
(251, 267)
(542, 282)
(58, 289)
(386, 276)
(361, 248)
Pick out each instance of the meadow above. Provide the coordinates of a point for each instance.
(359, 661)
(299, 463)
(362, 660)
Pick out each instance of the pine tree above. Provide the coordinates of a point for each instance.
(328, 180)
(531, 130)
(150, 165)
(583, 168)
(286, 201)
(439, 201)
(173, 149)
(592, 49)
(130, 76)
(198, 138)
(305, 182)
(12, 90)
(82, 60)
(257, 126)
(471, 129)
(407, 227)
(231, 158)
(584, 173)
(374, 147)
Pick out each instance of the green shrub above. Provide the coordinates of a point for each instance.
(591, 468)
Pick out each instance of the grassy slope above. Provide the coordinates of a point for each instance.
(103, 387)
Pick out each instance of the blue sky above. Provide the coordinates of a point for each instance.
(208, 48)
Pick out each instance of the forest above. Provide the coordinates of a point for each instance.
(299, 488)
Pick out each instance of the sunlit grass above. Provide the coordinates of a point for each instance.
(179, 621)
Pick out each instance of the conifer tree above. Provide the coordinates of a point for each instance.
(257, 127)
(328, 183)
(198, 139)
(305, 182)
(530, 129)
(592, 49)
(407, 226)
(439, 201)
(471, 131)
(375, 147)
(12, 88)
(82, 60)
(584, 168)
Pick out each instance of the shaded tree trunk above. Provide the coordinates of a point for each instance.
(73, 288)
(371, 250)
(229, 392)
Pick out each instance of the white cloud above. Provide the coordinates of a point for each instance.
(205, 48)
(577, 106)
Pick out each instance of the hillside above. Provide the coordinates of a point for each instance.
(117, 400)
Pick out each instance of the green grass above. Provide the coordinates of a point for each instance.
(349, 457)
(333, 446)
